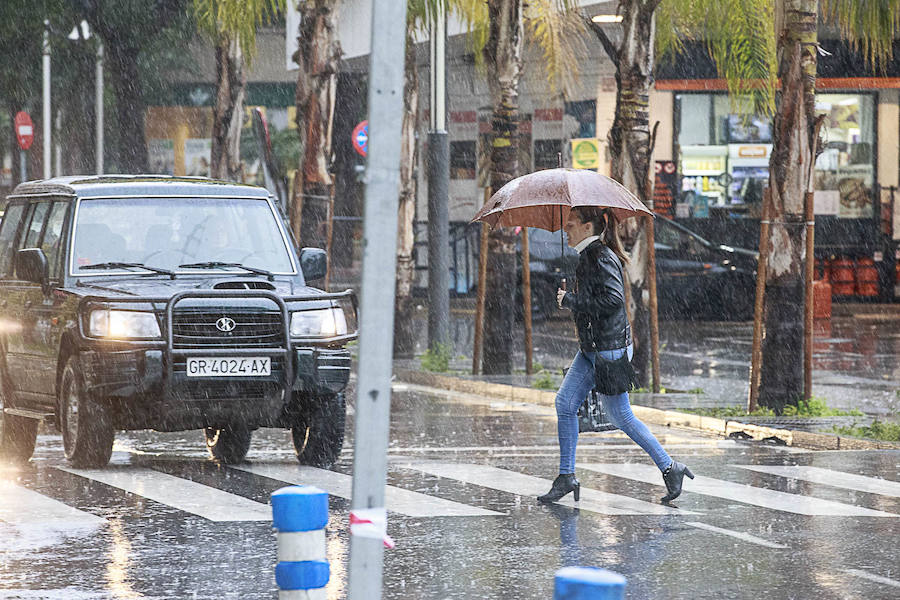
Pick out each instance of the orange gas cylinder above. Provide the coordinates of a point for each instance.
(866, 277)
(821, 300)
(843, 280)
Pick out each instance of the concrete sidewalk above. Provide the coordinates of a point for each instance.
(646, 407)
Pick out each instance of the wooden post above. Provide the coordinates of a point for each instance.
(654, 315)
(482, 284)
(756, 353)
(526, 299)
(810, 218)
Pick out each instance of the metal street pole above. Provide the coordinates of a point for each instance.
(98, 109)
(46, 90)
(373, 394)
(438, 191)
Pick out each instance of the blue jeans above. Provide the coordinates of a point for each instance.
(574, 389)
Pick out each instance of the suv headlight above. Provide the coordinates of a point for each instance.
(123, 324)
(323, 322)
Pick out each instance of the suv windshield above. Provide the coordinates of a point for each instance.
(167, 232)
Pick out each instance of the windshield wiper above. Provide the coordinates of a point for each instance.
(214, 264)
(120, 265)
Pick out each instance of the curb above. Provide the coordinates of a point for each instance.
(669, 418)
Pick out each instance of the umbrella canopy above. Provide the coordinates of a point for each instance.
(544, 198)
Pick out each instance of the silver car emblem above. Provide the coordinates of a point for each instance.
(226, 324)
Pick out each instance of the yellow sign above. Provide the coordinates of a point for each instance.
(585, 153)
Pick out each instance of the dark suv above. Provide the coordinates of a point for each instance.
(146, 302)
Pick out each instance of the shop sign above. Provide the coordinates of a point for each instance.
(585, 153)
(753, 151)
(703, 163)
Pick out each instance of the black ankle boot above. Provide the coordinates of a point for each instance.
(562, 485)
(674, 476)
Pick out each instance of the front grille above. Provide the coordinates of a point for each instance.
(260, 329)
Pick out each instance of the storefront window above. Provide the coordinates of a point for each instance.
(845, 170)
(724, 157)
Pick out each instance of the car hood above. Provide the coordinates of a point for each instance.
(161, 287)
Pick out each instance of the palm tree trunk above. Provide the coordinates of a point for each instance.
(503, 56)
(225, 158)
(793, 152)
(318, 55)
(404, 328)
(132, 145)
(629, 149)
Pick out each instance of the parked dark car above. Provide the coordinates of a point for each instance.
(149, 302)
(696, 278)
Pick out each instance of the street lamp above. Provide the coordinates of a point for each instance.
(82, 31)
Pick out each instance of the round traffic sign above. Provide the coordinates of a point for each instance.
(360, 138)
(24, 130)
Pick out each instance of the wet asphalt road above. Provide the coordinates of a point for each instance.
(736, 532)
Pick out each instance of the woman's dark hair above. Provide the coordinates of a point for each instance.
(606, 225)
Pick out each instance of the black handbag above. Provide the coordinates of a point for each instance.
(613, 377)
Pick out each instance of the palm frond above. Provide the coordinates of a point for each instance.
(740, 37)
(558, 29)
(236, 20)
(869, 26)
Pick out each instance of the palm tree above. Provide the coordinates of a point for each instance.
(553, 25)
(231, 26)
(742, 38)
(318, 55)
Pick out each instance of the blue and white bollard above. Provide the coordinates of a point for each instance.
(299, 514)
(583, 583)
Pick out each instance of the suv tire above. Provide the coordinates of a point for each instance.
(86, 425)
(318, 432)
(229, 445)
(17, 434)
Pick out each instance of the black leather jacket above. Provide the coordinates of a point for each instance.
(598, 302)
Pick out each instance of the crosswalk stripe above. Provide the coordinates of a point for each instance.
(839, 479)
(736, 534)
(183, 494)
(21, 505)
(739, 492)
(398, 500)
(526, 485)
(872, 577)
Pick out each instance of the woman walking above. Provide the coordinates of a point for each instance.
(598, 306)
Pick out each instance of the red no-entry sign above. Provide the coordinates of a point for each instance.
(24, 130)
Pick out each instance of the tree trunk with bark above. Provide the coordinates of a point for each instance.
(503, 57)
(629, 149)
(404, 328)
(228, 113)
(126, 80)
(318, 55)
(793, 153)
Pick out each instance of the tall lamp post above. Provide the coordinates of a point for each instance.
(438, 191)
(82, 31)
(46, 94)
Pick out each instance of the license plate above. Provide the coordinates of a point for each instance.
(229, 367)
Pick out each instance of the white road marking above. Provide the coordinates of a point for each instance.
(872, 577)
(850, 481)
(739, 492)
(21, 505)
(697, 445)
(189, 496)
(735, 534)
(399, 500)
(526, 485)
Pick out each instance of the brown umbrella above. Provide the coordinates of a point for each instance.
(543, 199)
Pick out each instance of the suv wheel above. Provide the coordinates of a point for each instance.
(318, 432)
(86, 425)
(229, 445)
(17, 434)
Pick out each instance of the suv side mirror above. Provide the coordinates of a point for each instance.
(31, 265)
(314, 263)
